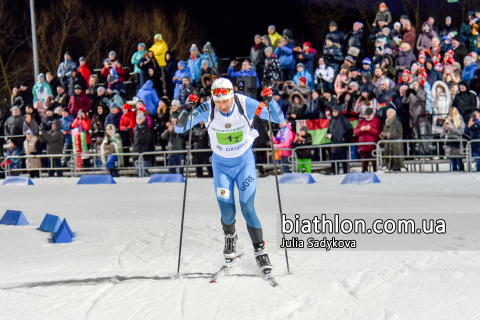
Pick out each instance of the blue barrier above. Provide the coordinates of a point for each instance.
(360, 178)
(96, 179)
(50, 223)
(297, 178)
(64, 233)
(167, 178)
(14, 218)
(17, 181)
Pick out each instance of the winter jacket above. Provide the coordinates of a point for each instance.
(77, 103)
(410, 37)
(46, 124)
(142, 136)
(53, 138)
(360, 107)
(242, 73)
(284, 139)
(466, 103)
(424, 40)
(85, 72)
(272, 70)
(325, 107)
(306, 59)
(274, 38)
(475, 82)
(135, 60)
(73, 81)
(324, 75)
(15, 162)
(180, 74)
(33, 147)
(372, 135)
(149, 97)
(347, 101)
(159, 50)
(200, 137)
(147, 63)
(65, 70)
(296, 109)
(416, 107)
(469, 72)
(393, 131)
(447, 29)
(67, 127)
(460, 53)
(386, 100)
(97, 125)
(307, 75)
(303, 153)
(338, 38)
(118, 73)
(386, 14)
(128, 120)
(61, 100)
(14, 126)
(355, 39)
(116, 141)
(285, 56)
(405, 59)
(83, 125)
(433, 76)
(176, 141)
(334, 56)
(33, 125)
(257, 56)
(41, 91)
(195, 64)
(466, 29)
(341, 130)
(454, 133)
(304, 91)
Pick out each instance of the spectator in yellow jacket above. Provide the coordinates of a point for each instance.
(274, 36)
(159, 49)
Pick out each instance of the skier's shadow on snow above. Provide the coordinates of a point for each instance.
(115, 280)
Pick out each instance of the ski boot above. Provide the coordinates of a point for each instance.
(261, 256)
(230, 249)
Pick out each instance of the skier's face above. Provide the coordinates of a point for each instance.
(224, 105)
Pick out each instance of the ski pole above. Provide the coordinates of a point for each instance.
(267, 100)
(185, 193)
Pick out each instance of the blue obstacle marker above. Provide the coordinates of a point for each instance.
(17, 181)
(96, 179)
(297, 178)
(14, 218)
(64, 233)
(167, 178)
(360, 178)
(50, 223)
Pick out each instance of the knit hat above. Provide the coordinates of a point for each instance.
(205, 61)
(176, 103)
(449, 53)
(101, 89)
(158, 36)
(385, 82)
(368, 111)
(141, 116)
(367, 61)
(349, 58)
(300, 65)
(77, 86)
(193, 47)
(404, 17)
(364, 88)
(30, 132)
(82, 59)
(308, 44)
(383, 6)
(457, 65)
(352, 69)
(333, 24)
(474, 56)
(436, 59)
(112, 53)
(329, 39)
(126, 106)
(113, 105)
(269, 49)
(275, 92)
(358, 24)
(111, 78)
(15, 107)
(397, 24)
(468, 58)
(65, 109)
(142, 108)
(271, 26)
(457, 38)
(257, 36)
(181, 63)
(303, 79)
(422, 53)
(304, 129)
(462, 83)
(422, 78)
(41, 76)
(354, 84)
(141, 44)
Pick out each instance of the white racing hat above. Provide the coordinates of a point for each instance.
(222, 83)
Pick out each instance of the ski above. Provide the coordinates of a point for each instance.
(223, 270)
(270, 279)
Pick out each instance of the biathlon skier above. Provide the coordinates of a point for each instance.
(228, 120)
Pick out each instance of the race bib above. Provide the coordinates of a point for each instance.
(229, 137)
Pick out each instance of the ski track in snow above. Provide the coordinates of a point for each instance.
(122, 263)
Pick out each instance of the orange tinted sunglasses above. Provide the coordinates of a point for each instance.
(223, 91)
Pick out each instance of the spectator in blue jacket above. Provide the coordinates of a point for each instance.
(306, 55)
(282, 103)
(182, 72)
(301, 72)
(64, 71)
(336, 35)
(114, 116)
(195, 64)
(469, 70)
(149, 97)
(245, 72)
(67, 120)
(284, 53)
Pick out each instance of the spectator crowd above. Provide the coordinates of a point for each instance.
(415, 84)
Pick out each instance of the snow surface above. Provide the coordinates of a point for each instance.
(123, 260)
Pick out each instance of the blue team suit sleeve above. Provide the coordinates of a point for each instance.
(200, 114)
(276, 114)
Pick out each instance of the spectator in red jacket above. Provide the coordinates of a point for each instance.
(84, 69)
(127, 124)
(368, 130)
(117, 66)
(82, 122)
(79, 101)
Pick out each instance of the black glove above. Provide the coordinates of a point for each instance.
(127, 129)
(191, 102)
